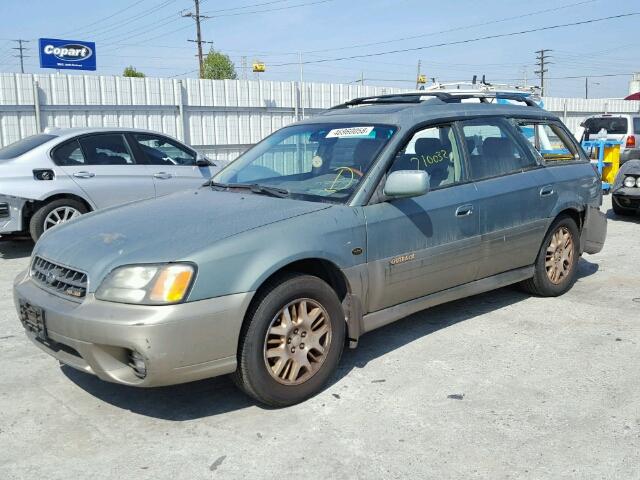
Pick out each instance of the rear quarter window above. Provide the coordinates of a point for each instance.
(23, 146)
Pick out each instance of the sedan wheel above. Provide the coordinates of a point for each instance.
(60, 215)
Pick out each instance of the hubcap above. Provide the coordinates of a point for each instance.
(297, 342)
(60, 215)
(559, 258)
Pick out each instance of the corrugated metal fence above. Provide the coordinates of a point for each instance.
(219, 117)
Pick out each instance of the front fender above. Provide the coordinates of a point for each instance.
(242, 263)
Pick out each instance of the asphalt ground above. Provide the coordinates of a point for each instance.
(499, 385)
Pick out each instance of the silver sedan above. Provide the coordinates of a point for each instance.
(50, 178)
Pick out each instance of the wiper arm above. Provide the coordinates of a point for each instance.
(255, 188)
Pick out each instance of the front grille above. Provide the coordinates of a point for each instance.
(59, 279)
(4, 210)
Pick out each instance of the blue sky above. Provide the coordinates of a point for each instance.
(152, 36)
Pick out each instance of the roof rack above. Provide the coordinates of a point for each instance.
(445, 97)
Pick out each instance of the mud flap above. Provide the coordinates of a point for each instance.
(594, 231)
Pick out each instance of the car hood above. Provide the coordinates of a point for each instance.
(167, 229)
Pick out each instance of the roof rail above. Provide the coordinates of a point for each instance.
(445, 97)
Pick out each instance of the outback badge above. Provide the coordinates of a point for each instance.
(402, 258)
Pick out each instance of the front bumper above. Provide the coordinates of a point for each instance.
(627, 198)
(11, 221)
(179, 343)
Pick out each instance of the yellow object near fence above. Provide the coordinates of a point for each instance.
(611, 163)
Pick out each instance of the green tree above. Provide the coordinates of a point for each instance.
(132, 72)
(218, 66)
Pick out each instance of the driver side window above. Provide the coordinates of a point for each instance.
(435, 151)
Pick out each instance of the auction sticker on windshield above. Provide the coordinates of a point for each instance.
(350, 132)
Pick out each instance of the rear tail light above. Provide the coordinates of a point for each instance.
(631, 141)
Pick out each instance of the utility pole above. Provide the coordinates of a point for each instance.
(21, 49)
(301, 85)
(542, 62)
(244, 67)
(197, 17)
(586, 87)
(418, 75)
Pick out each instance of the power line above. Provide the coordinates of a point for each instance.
(105, 18)
(455, 29)
(469, 40)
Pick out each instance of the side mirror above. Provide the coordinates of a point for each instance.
(406, 183)
(204, 162)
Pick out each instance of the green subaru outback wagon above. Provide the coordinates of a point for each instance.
(327, 229)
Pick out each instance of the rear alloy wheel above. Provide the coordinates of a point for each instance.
(53, 214)
(556, 264)
(291, 341)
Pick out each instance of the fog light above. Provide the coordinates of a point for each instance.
(137, 363)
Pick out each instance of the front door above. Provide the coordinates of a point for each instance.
(422, 245)
(104, 167)
(173, 165)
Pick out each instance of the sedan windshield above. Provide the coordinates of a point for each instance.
(321, 162)
(23, 146)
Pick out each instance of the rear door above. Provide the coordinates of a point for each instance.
(105, 168)
(173, 165)
(516, 194)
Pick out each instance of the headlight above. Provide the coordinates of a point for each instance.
(629, 182)
(147, 284)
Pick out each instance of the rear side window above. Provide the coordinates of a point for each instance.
(493, 149)
(23, 146)
(162, 151)
(549, 141)
(68, 154)
(106, 149)
(636, 126)
(613, 126)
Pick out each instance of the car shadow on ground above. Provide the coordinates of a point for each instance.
(15, 247)
(215, 396)
(632, 218)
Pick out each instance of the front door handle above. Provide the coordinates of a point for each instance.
(84, 175)
(546, 191)
(162, 175)
(464, 210)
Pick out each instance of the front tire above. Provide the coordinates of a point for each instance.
(556, 264)
(291, 341)
(54, 213)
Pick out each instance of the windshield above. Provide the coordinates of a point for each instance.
(320, 161)
(23, 146)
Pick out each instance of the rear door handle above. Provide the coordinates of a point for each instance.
(162, 175)
(546, 191)
(84, 175)
(464, 210)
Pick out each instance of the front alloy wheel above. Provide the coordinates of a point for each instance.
(297, 342)
(291, 340)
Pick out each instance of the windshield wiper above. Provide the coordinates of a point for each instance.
(255, 188)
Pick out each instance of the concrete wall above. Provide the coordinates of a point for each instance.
(219, 117)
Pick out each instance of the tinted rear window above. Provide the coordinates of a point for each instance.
(613, 125)
(636, 126)
(23, 146)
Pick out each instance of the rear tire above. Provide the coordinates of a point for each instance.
(556, 264)
(291, 341)
(63, 209)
